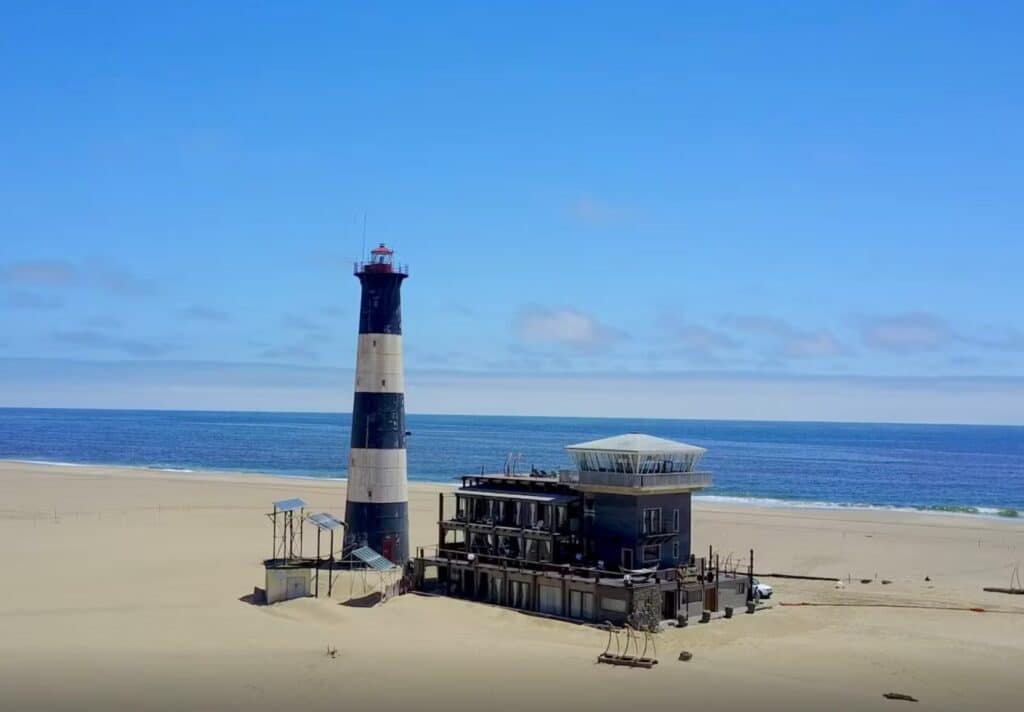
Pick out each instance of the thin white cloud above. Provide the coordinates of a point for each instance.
(564, 327)
(199, 312)
(19, 299)
(40, 273)
(62, 274)
(300, 323)
(102, 341)
(116, 280)
(922, 332)
(291, 352)
(906, 333)
(700, 341)
(789, 341)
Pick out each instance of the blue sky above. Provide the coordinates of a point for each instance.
(755, 210)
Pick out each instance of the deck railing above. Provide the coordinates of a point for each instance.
(380, 267)
(629, 480)
(459, 554)
(489, 527)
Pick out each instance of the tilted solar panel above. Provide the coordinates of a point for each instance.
(372, 559)
(289, 505)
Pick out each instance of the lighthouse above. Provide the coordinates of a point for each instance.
(377, 506)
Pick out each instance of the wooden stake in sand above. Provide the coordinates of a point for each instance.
(899, 696)
(1015, 587)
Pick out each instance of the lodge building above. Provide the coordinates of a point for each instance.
(609, 539)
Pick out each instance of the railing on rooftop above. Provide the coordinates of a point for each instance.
(380, 267)
(629, 480)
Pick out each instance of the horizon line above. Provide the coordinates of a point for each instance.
(530, 417)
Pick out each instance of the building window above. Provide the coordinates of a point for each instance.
(652, 553)
(589, 509)
(675, 551)
(652, 521)
(615, 605)
(519, 594)
(675, 520)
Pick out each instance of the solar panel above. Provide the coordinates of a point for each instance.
(372, 559)
(288, 505)
(326, 522)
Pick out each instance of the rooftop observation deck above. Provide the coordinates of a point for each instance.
(631, 463)
(635, 463)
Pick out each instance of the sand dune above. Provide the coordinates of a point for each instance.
(122, 590)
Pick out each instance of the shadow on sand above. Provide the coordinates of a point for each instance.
(368, 601)
(258, 597)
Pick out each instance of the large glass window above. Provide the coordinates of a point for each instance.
(652, 521)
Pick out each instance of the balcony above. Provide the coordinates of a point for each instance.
(658, 482)
(371, 267)
(488, 526)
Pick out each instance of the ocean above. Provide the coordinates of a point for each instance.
(960, 468)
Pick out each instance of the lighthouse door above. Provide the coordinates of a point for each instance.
(388, 546)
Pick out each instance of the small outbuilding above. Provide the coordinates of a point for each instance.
(285, 582)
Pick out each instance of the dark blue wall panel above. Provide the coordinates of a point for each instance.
(380, 308)
(378, 421)
(370, 523)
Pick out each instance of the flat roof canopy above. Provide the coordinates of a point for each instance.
(545, 497)
(637, 443)
(289, 505)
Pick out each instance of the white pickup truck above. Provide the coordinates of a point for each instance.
(761, 590)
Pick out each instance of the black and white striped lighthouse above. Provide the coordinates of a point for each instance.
(377, 507)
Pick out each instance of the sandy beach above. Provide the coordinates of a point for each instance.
(123, 589)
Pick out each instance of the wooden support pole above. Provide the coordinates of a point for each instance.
(440, 519)
(750, 578)
(290, 528)
(330, 567)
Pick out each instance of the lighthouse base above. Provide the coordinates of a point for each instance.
(382, 526)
